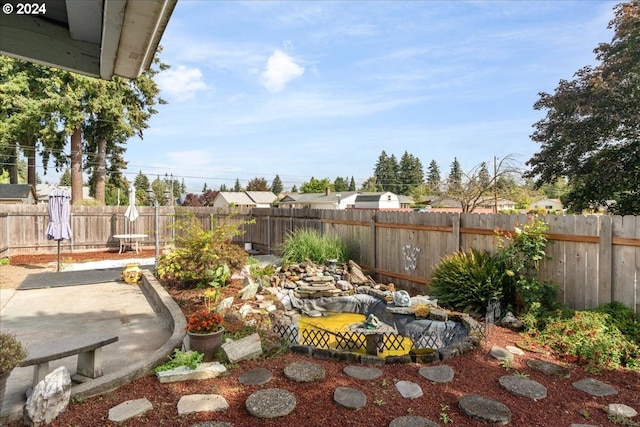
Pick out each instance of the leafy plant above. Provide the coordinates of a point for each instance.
(506, 363)
(12, 352)
(591, 339)
(467, 281)
(521, 252)
(4, 261)
(199, 254)
(308, 244)
(190, 359)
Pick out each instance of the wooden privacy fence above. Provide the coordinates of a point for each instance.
(594, 259)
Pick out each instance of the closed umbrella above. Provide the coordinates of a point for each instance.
(59, 213)
(131, 213)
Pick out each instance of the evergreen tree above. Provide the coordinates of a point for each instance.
(386, 173)
(352, 184)
(276, 185)
(454, 180)
(223, 187)
(484, 178)
(65, 178)
(205, 188)
(433, 178)
(294, 189)
(411, 173)
(237, 187)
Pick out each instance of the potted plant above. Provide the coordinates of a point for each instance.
(205, 329)
(12, 353)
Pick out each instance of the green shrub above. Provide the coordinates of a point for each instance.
(199, 254)
(624, 319)
(591, 339)
(467, 281)
(308, 244)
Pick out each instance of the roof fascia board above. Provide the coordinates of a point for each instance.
(113, 16)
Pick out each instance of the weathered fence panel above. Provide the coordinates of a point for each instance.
(593, 259)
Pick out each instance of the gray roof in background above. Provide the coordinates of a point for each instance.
(15, 191)
(238, 198)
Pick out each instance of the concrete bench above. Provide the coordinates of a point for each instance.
(87, 346)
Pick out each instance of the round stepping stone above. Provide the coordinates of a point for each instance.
(270, 403)
(408, 389)
(412, 421)
(362, 372)
(437, 374)
(521, 386)
(484, 409)
(304, 372)
(257, 376)
(549, 368)
(594, 387)
(350, 398)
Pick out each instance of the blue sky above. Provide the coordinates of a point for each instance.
(302, 89)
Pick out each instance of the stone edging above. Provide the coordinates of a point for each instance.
(168, 310)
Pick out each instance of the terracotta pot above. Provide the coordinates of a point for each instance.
(208, 344)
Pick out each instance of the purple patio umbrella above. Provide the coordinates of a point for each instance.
(59, 213)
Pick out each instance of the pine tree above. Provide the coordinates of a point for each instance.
(276, 185)
(433, 178)
(386, 173)
(411, 173)
(237, 187)
(352, 184)
(454, 180)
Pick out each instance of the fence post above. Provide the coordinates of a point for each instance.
(372, 230)
(605, 260)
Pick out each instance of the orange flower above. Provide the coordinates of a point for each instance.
(204, 322)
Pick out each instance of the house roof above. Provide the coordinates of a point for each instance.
(262, 197)
(16, 191)
(371, 197)
(316, 198)
(235, 197)
(99, 38)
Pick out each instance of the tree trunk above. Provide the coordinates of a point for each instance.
(30, 152)
(76, 166)
(13, 175)
(101, 170)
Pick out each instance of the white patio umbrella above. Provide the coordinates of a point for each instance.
(59, 213)
(131, 213)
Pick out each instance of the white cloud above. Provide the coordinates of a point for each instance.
(280, 70)
(181, 83)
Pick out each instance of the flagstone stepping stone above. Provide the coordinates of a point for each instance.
(531, 347)
(257, 376)
(270, 403)
(621, 410)
(304, 372)
(412, 421)
(549, 368)
(514, 350)
(437, 374)
(362, 372)
(501, 353)
(521, 386)
(129, 409)
(409, 389)
(484, 409)
(192, 403)
(594, 387)
(350, 398)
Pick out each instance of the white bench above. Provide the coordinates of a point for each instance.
(87, 346)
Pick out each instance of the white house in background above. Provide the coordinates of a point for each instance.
(18, 194)
(326, 200)
(503, 204)
(386, 200)
(43, 191)
(548, 204)
(244, 199)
